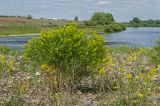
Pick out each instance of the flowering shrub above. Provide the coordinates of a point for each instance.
(68, 49)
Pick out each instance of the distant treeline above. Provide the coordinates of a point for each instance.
(136, 22)
(11, 16)
(28, 16)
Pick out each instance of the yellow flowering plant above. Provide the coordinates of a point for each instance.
(133, 80)
(6, 64)
(68, 47)
(51, 77)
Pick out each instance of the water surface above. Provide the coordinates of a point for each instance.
(15, 42)
(132, 37)
(138, 37)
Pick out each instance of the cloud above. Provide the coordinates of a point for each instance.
(103, 3)
(121, 9)
(99, 2)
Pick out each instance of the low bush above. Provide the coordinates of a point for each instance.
(70, 51)
(89, 23)
(115, 27)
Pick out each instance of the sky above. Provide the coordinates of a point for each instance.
(122, 10)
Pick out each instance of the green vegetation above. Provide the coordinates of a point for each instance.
(5, 50)
(115, 27)
(67, 67)
(18, 29)
(136, 22)
(155, 53)
(66, 48)
(106, 22)
(101, 18)
(27, 25)
(100, 22)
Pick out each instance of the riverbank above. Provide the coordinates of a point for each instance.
(20, 35)
(22, 26)
(136, 22)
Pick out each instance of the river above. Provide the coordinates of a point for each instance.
(133, 37)
(15, 42)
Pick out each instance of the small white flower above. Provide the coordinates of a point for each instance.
(146, 68)
(37, 73)
(38, 81)
(28, 77)
(18, 77)
(10, 82)
(136, 77)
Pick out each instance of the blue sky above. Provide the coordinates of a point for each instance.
(123, 10)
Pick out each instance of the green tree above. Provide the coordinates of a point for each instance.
(136, 20)
(101, 18)
(29, 16)
(76, 18)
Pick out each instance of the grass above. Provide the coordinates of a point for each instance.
(19, 25)
(18, 29)
(91, 29)
(30, 29)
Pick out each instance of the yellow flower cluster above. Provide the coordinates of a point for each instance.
(50, 76)
(134, 56)
(140, 95)
(47, 68)
(6, 64)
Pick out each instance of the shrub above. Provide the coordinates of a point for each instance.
(89, 23)
(69, 50)
(115, 27)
